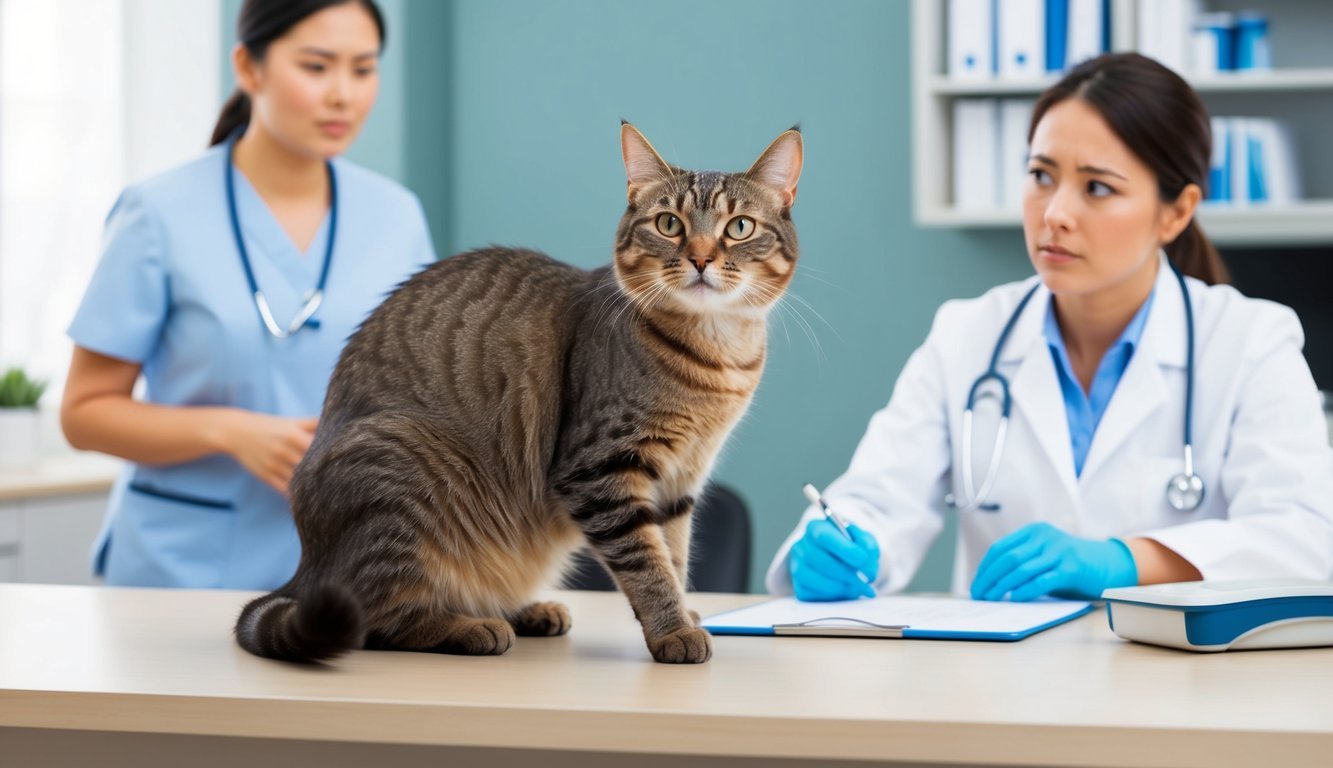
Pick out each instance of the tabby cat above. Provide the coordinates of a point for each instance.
(501, 410)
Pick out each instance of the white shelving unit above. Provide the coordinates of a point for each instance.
(1297, 93)
(1280, 81)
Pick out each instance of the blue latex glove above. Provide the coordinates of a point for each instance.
(1040, 559)
(824, 564)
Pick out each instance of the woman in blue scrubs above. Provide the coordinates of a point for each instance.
(231, 283)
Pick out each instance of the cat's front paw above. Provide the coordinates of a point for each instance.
(542, 620)
(694, 616)
(688, 645)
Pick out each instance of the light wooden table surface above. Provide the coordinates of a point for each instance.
(98, 661)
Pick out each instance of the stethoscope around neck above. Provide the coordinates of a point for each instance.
(312, 298)
(1184, 491)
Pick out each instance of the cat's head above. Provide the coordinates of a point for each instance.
(707, 241)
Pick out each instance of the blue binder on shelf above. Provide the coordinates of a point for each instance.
(1057, 34)
(900, 616)
(1219, 166)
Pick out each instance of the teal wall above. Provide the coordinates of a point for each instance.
(505, 122)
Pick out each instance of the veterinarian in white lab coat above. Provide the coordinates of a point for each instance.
(1094, 486)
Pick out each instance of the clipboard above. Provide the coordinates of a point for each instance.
(898, 617)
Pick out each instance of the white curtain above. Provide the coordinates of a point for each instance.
(61, 164)
(94, 94)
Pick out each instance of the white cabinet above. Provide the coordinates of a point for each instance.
(50, 513)
(58, 534)
(11, 532)
(47, 539)
(1298, 90)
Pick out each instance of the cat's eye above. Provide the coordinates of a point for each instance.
(669, 225)
(740, 228)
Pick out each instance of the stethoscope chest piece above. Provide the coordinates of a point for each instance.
(1184, 492)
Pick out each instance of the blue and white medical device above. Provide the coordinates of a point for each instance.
(1224, 615)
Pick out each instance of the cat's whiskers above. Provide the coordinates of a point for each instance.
(600, 313)
(631, 284)
(805, 272)
(765, 298)
(643, 299)
(785, 332)
(657, 296)
(598, 285)
(603, 281)
(797, 297)
(753, 293)
(805, 326)
(634, 286)
(778, 299)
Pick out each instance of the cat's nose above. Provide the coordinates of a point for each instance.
(701, 253)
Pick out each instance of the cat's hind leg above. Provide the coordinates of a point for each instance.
(432, 629)
(547, 619)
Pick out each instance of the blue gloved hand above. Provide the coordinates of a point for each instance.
(1040, 559)
(824, 564)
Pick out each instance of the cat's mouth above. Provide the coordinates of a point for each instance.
(701, 293)
(700, 284)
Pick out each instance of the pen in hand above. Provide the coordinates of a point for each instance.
(817, 499)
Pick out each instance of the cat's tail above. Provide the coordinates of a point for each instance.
(321, 623)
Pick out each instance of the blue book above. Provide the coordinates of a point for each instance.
(1106, 26)
(1255, 168)
(1057, 34)
(1219, 166)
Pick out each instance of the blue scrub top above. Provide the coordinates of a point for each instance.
(170, 294)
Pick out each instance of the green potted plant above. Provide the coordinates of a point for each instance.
(18, 418)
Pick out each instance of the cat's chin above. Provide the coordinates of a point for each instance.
(701, 296)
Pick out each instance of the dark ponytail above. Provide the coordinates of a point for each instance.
(259, 24)
(235, 113)
(1193, 254)
(1164, 123)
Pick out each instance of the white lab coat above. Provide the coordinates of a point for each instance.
(1260, 443)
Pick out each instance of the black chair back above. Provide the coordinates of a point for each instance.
(719, 548)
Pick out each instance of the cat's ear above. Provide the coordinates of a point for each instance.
(643, 165)
(780, 165)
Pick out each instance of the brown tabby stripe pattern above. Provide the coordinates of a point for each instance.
(502, 410)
